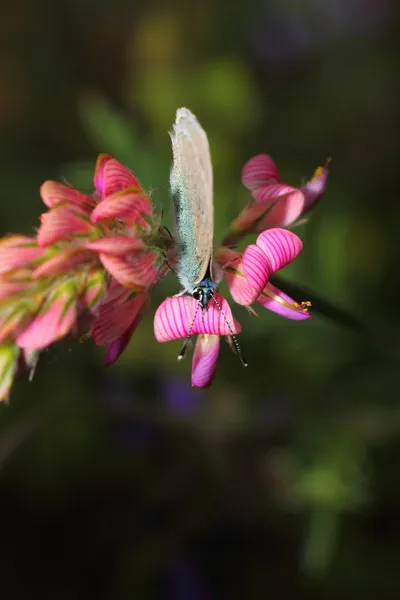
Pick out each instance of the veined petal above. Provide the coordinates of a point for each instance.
(204, 361)
(257, 269)
(111, 176)
(9, 353)
(94, 289)
(116, 245)
(18, 251)
(54, 193)
(280, 303)
(232, 265)
(130, 205)
(62, 222)
(120, 312)
(259, 171)
(280, 246)
(314, 189)
(136, 271)
(15, 314)
(55, 319)
(272, 191)
(62, 262)
(175, 316)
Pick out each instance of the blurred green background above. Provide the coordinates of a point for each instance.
(281, 479)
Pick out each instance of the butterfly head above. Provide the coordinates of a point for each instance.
(204, 292)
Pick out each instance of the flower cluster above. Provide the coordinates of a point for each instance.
(92, 265)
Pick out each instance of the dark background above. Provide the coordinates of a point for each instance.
(281, 480)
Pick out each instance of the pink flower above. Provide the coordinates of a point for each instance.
(274, 204)
(247, 277)
(178, 316)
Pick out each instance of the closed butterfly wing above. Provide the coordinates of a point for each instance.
(192, 190)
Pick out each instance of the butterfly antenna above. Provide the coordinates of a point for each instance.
(185, 343)
(233, 336)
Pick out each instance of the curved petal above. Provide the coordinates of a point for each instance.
(17, 251)
(62, 222)
(116, 245)
(259, 171)
(54, 321)
(176, 316)
(239, 287)
(53, 193)
(110, 176)
(136, 271)
(280, 303)
(129, 205)
(204, 363)
(280, 246)
(257, 269)
(272, 191)
(314, 189)
(62, 262)
(120, 312)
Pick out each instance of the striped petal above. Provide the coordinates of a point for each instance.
(116, 245)
(17, 251)
(111, 176)
(175, 316)
(280, 246)
(94, 289)
(280, 303)
(204, 363)
(136, 272)
(129, 205)
(54, 193)
(54, 321)
(138, 305)
(62, 262)
(120, 312)
(314, 189)
(257, 268)
(259, 171)
(238, 285)
(61, 223)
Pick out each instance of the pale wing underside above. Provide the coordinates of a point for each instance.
(192, 190)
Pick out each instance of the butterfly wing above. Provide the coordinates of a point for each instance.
(192, 190)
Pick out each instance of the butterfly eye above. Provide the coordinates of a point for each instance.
(197, 294)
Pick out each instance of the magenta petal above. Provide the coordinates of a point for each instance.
(54, 193)
(204, 362)
(280, 303)
(280, 246)
(256, 267)
(238, 285)
(60, 223)
(111, 176)
(314, 189)
(119, 313)
(136, 271)
(52, 323)
(259, 171)
(62, 262)
(130, 205)
(175, 316)
(116, 245)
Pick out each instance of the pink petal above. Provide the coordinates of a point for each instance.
(62, 262)
(204, 362)
(259, 171)
(232, 265)
(17, 251)
(314, 189)
(256, 267)
(280, 303)
(116, 245)
(136, 271)
(62, 223)
(272, 191)
(54, 193)
(174, 318)
(129, 205)
(54, 321)
(111, 176)
(8, 288)
(118, 314)
(280, 246)
(275, 212)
